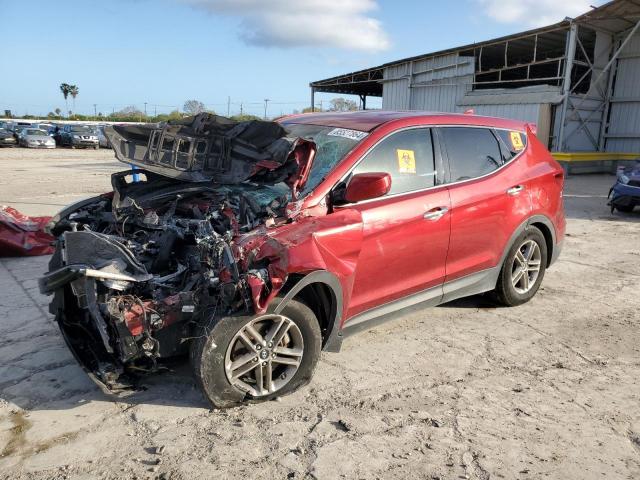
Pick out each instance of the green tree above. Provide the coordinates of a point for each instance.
(64, 88)
(73, 91)
(57, 112)
(245, 118)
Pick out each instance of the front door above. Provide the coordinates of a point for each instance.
(406, 232)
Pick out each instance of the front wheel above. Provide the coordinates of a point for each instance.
(523, 269)
(240, 359)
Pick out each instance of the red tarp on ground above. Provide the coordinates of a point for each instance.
(21, 235)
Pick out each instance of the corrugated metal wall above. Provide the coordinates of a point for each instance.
(440, 84)
(623, 134)
(437, 83)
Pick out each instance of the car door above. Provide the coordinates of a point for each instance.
(489, 193)
(406, 232)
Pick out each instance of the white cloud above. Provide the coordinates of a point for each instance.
(533, 13)
(344, 24)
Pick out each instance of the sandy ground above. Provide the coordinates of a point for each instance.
(463, 391)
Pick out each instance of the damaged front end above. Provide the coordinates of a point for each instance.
(138, 270)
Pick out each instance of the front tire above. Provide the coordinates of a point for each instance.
(523, 269)
(241, 359)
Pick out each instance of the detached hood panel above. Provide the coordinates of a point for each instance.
(208, 147)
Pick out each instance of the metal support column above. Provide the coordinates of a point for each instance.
(570, 54)
(313, 99)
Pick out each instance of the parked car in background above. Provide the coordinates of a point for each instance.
(102, 138)
(625, 193)
(17, 129)
(253, 246)
(7, 139)
(78, 136)
(35, 138)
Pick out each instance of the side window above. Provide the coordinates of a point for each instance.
(473, 152)
(512, 143)
(407, 156)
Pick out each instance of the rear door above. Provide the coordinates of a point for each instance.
(406, 232)
(489, 192)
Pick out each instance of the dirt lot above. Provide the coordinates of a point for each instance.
(546, 390)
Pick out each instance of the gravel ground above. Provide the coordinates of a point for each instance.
(466, 390)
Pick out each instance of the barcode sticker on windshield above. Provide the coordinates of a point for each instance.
(346, 133)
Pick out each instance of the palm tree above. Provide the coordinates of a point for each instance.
(73, 91)
(64, 88)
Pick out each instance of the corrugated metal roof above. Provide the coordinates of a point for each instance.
(614, 16)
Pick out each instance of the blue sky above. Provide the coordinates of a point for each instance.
(163, 52)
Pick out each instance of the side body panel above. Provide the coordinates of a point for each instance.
(483, 217)
(402, 252)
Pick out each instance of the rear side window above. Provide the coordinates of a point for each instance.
(407, 156)
(512, 143)
(472, 152)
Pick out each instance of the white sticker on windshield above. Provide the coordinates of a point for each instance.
(347, 133)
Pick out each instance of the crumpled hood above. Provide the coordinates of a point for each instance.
(208, 147)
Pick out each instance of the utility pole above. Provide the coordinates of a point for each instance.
(240, 108)
(228, 106)
(95, 111)
(145, 109)
(266, 101)
(155, 110)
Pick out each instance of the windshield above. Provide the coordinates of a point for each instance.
(31, 131)
(332, 143)
(81, 129)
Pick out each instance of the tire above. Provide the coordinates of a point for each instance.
(96, 147)
(509, 293)
(218, 338)
(625, 208)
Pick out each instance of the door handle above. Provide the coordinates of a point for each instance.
(515, 190)
(435, 214)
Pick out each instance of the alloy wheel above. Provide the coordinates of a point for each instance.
(526, 266)
(264, 355)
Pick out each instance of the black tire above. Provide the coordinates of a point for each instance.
(505, 292)
(625, 208)
(208, 350)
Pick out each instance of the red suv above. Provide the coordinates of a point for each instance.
(253, 246)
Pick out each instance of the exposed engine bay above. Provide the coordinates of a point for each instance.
(136, 270)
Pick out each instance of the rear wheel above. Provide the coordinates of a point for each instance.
(625, 208)
(523, 269)
(240, 359)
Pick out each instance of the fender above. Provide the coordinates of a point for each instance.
(333, 341)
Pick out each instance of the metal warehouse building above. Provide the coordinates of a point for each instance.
(578, 80)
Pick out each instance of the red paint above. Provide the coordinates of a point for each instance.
(384, 249)
(366, 186)
(21, 235)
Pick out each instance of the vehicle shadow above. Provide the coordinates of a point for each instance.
(481, 301)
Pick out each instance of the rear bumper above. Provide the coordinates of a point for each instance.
(624, 195)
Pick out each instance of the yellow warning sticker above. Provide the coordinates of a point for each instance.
(406, 161)
(516, 141)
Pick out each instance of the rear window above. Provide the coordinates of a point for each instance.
(512, 142)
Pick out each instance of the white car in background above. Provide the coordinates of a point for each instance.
(35, 138)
